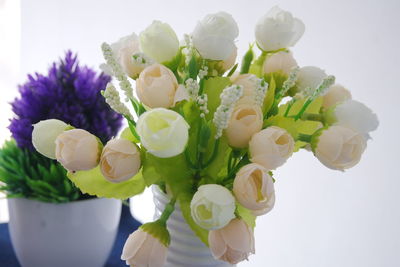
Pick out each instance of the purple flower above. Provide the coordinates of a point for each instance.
(70, 93)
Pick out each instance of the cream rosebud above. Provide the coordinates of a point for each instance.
(44, 135)
(278, 29)
(280, 62)
(233, 243)
(124, 50)
(156, 86)
(159, 41)
(253, 187)
(78, 150)
(120, 160)
(212, 206)
(141, 249)
(245, 121)
(248, 81)
(271, 147)
(339, 148)
(310, 77)
(214, 36)
(335, 95)
(164, 133)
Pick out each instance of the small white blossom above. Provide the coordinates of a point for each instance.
(142, 60)
(112, 98)
(229, 96)
(203, 72)
(321, 89)
(291, 80)
(260, 91)
(202, 101)
(193, 88)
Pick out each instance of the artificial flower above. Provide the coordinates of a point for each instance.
(309, 77)
(336, 94)
(280, 62)
(44, 135)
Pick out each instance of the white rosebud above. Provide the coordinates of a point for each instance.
(357, 116)
(246, 120)
(280, 62)
(120, 160)
(233, 243)
(339, 148)
(230, 61)
(278, 29)
(248, 81)
(159, 41)
(78, 150)
(254, 189)
(336, 94)
(164, 133)
(309, 77)
(212, 206)
(156, 86)
(143, 249)
(124, 50)
(214, 36)
(271, 147)
(44, 136)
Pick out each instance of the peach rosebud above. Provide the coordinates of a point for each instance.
(339, 148)
(141, 249)
(120, 160)
(254, 189)
(78, 150)
(156, 86)
(245, 121)
(271, 147)
(280, 62)
(335, 95)
(233, 243)
(249, 83)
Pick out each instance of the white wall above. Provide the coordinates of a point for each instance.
(322, 217)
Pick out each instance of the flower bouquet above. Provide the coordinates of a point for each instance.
(208, 132)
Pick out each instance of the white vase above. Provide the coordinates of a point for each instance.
(79, 233)
(186, 249)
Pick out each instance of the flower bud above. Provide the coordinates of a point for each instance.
(164, 133)
(78, 150)
(233, 243)
(230, 61)
(214, 36)
(335, 95)
(271, 147)
(120, 160)
(248, 81)
(278, 29)
(309, 77)
(280, 62)
(253, 187)
(44, 135)
(245, 121)
(338, 147)
(159, 41)
(156, 86)
(212, 206)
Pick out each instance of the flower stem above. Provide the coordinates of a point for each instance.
(169, 208)
(304, 138)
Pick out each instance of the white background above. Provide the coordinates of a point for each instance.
(322, 217)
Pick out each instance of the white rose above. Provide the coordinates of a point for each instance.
(214, 36)
(280, 62)
(339, 148)
(278, 29)
(164, 133)
(309, 77)
(271, 147)
(254, 189)
(44, 135)
(156, 86)
(212, 206)
(124, 50)
(159, 41)
(357, 116)
(120, 160)
(335, 95)
(246, 120)
(230, 61)
(78, 150)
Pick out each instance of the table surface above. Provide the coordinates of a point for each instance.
(126, 226)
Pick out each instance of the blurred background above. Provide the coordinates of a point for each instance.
(321, 217)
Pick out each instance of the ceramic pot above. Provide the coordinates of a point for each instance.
(79, 233)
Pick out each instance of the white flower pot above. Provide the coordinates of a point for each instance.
(80, 233)
(186, 249)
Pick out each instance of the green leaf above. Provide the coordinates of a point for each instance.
(246, 215)
(127, 134)
(92, 182)
(217, 169)
(213, 87)
(270, 95)
(150, 174)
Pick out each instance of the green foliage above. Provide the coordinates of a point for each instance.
(213, 87)
(28, 174)
(93, 183)
(246, 215)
